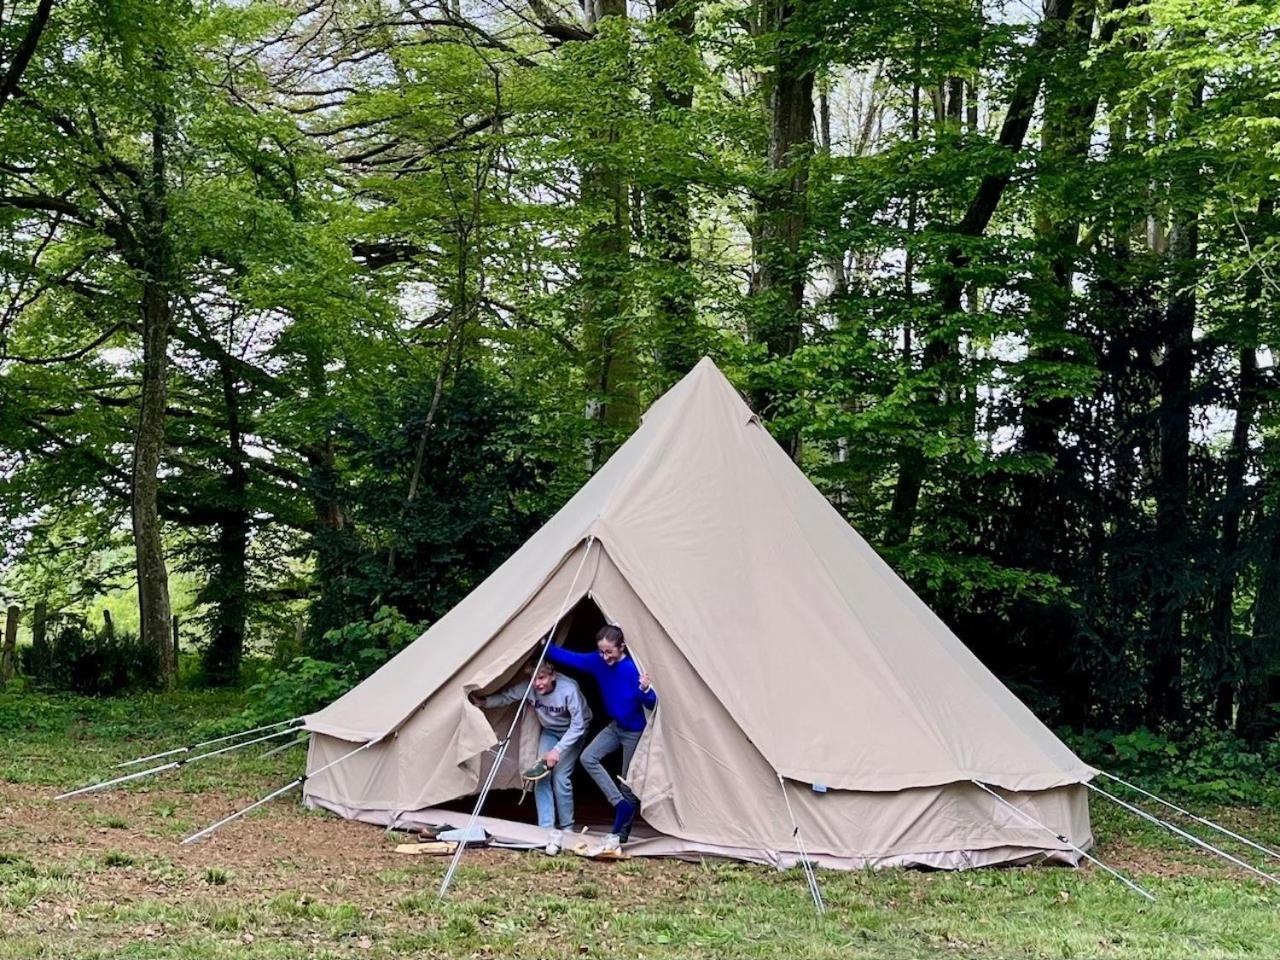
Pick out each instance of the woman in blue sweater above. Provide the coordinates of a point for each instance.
(626, 693)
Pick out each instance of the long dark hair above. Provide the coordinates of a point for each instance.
(613, 633)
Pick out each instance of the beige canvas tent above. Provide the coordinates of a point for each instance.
(791, 663)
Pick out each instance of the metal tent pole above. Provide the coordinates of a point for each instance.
(172, 765)
(515, 721)
(275, 793)
(810, 876)
(1054, 833)
(1198, 819)
(206, 743)
(1190, 838)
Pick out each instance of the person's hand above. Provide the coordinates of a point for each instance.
(644, 682)
(552, 757)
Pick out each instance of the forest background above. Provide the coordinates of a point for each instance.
(312, 311)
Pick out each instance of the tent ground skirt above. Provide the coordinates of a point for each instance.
(647, 842)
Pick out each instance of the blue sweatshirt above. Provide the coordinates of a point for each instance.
(624, 701)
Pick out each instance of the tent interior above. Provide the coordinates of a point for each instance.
(576, 631)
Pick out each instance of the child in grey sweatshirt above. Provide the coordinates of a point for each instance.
(564, 715)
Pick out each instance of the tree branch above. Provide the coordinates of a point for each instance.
(26, 50)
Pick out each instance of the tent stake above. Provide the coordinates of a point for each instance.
(171, 765)
(1204, 821)
(205, 743)
(275, 793)
(1030, 819)
(1190, 838)
(810, 876)
(515, 721)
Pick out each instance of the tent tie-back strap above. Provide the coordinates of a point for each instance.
(1190, 838)
(806, 864)
(1203, 821)
(515, 721)
(291, 785)
(174, 764)
(1062, 839)
(208, 743)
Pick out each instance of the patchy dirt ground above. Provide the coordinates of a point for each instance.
(275, 842)
(105, 875)
(277, 850)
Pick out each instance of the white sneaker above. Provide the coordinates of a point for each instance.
(555, 839)
(612, 844)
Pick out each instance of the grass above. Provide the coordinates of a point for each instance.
(104, 876)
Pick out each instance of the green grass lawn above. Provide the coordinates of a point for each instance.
(105, 876)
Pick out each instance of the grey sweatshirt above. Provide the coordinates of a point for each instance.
(563, 709)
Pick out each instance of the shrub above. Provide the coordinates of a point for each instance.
(1211, 766)
(302, 686)
(96, 664)
(368, 644)
(346, 656)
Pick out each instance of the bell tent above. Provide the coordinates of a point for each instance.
(798, 676)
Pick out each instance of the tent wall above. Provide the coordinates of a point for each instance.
(703, 785)
(776, 601)
(701, 780)
(441, 752)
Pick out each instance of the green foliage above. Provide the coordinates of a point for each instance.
(306, 683)
(480, 490)
(301, 686)
(367, 644)
(79, 660)
(424, 274)
(1209, 766)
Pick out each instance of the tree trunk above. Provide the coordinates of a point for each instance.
(1070, 111)
(335, 550)
(950, 287)
(1170, 591)
(40, 630)
(612, 366)
(837, 275)
(1040, 532)
(1257, 720)
(1240, 669)
(8, 653)
(1233, 500)
(678, 341)
(20, 59)
(148, 448)
(783, 205)
(230, 591)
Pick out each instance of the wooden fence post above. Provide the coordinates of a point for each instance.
(10, 644)
(175, 642)
(40, 628)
